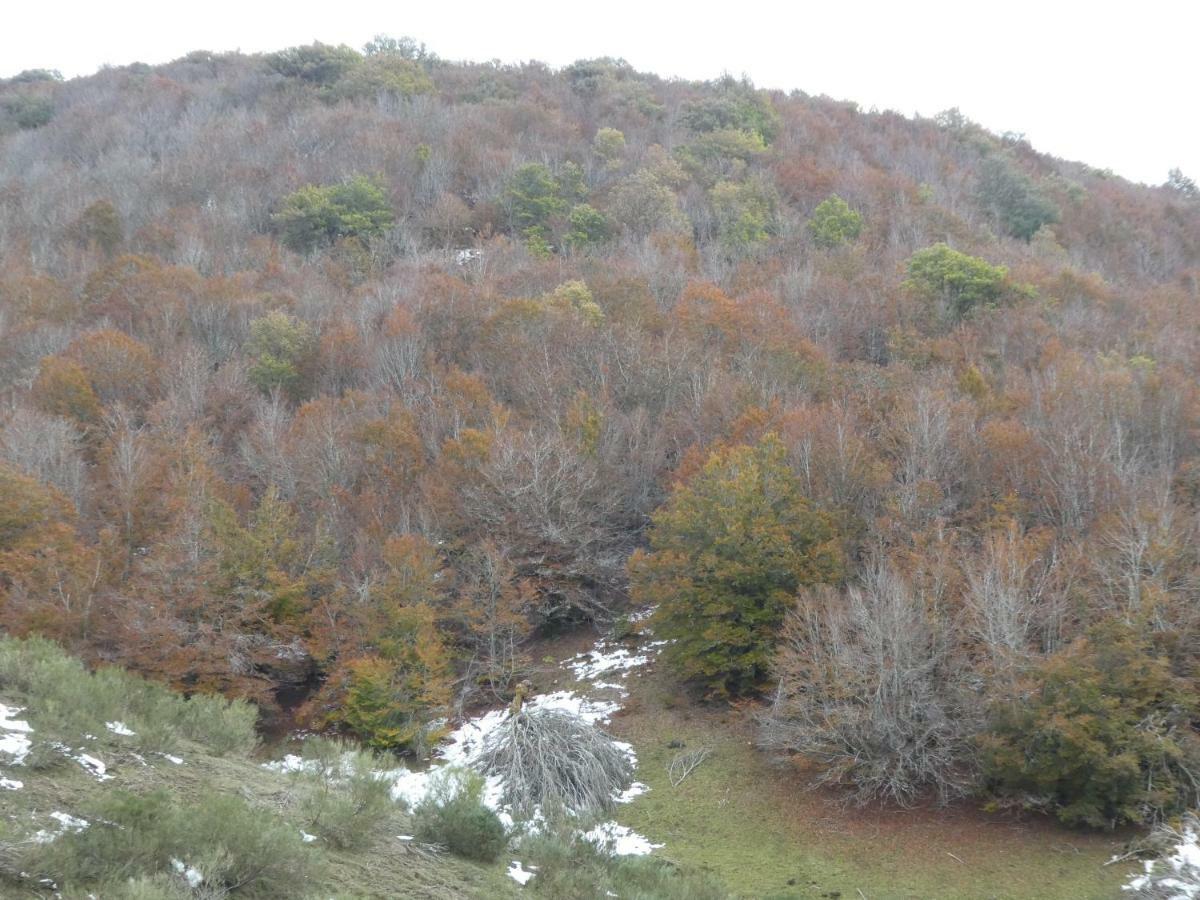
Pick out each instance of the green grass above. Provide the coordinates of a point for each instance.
(756, 827)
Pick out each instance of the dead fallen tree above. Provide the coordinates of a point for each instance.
(684, 764)
(555, 761)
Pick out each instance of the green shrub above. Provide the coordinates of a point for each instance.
(834, 223)
(66, 701)
(236, 849)
(737, 107)
(957, 282)
(383, 74)
(346, 800)
(1102, 735)
(609, 144)
(588, 226)
(319, 215)
(453, 814)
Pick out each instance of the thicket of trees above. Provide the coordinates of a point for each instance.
(344, 375)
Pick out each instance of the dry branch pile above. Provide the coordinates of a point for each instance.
(555, 761)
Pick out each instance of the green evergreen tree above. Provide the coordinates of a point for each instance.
(728, 552)
(834, 223)
(1102, 731)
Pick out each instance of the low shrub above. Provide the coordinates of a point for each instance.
(453, 815)
(220, 844)
(346, 799)
(65, 701)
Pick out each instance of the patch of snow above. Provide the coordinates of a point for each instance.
(65, 822)
(14, 742)
(632, 792)
(620, 840)
(118, 728)
(8, 723)
(1177, 875)
(290, 763)
(465, 744)
(404, 837)
(642, 614)
(10, 784)
(68, 821)
(171, 759)
(519, 873)
(93, 765)
(600, 661)
(609, 686)
(306, 837)
(191, 875)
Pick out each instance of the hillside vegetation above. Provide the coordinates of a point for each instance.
(336, 383)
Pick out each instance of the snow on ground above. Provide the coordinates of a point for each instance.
(14, 742)
(619, 840)
(194, 877)
(1176, 876)
(587, 666)
(464, 745)
(65, 822)
(632, 792)
(519, 873)
(118, 728)
(95, 766)
(10, 784)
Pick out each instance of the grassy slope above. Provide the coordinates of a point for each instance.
(388, 869)
(755, 825)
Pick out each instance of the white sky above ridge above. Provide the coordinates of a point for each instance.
(1112, 85)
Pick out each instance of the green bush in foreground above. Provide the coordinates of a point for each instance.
(66, 701)
(453, 814)
(346, 800)
(232, 849)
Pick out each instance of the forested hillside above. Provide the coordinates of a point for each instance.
(339, 381)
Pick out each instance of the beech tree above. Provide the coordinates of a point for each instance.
(728, 552)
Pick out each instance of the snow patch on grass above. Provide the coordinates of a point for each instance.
(191, 875)
(519, 873)
(1175, 876)
(14, 741)
(93, 765)
(119, 728)
(66, 822)
(620, 840)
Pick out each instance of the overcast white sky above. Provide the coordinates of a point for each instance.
(1112, 84)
